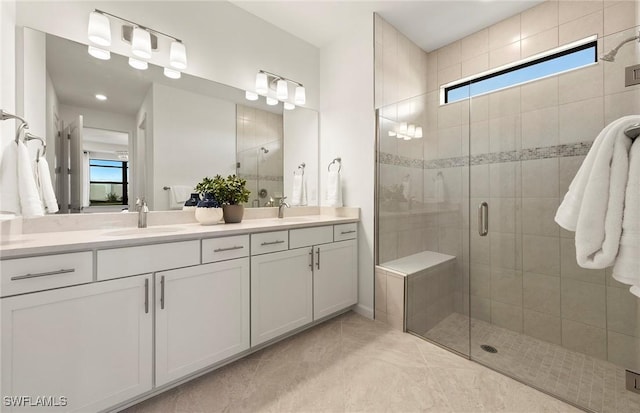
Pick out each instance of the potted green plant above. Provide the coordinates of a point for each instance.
(231, 192)
(208, 209)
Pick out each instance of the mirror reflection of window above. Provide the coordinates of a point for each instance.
(108, 182)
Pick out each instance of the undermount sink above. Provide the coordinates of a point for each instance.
(142, 231)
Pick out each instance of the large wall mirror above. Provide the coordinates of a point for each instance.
(153, 135)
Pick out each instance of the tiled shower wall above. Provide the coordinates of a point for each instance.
(256, 129)
(526, 144)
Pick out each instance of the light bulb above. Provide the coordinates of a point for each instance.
(250, 95)
(172, 74)
(141, 43)
(178, 55)
(300, 96)
(138, 64)
(418, 132)
(289, 106)
(282, 91)
(99, 53)
(272, 101)
(261, 83)
(99, 30)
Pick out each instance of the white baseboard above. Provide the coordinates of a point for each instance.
(364, 311)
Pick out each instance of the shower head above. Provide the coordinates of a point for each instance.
(611, 56)
(264, 150)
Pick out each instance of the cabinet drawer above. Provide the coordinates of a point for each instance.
(122, 262)
(25, 275)
(269, 242)
(307, 237)
(227, 248)
(345, 231)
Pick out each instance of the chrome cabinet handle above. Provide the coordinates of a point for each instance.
(311, 259)
(146, 296)
(483, 219)
(162, 292)
(272, 242)
(42, 274)
(318, 258)
(235, 247)
(348, 232)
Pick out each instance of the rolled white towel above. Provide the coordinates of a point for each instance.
(45, 187)
(178, 195)
(30, 201)
(334, 189)
(594, 203)
(627, 265)
(9, 196)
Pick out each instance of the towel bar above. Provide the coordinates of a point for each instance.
(336, 160)
(300, 168)
(166, 188)
(633, 131)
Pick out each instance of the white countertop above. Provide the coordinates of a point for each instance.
(17, 245)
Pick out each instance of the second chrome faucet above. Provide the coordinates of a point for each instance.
(281, 207)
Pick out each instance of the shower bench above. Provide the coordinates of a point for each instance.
(415, 290)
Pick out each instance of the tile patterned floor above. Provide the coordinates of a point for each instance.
(587, 381)
(352, 364)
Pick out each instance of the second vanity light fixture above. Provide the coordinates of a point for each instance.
(406, 131)
(267, 82)
(143, 41)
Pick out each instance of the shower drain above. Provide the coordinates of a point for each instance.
(488, 348)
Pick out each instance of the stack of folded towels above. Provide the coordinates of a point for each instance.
(602, 205)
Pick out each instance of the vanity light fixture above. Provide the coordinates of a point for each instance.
(406, 131)
(282, 91)
(262, 84)
(250, 95)
(289, 106)
(144, 40)
(272, 101)
(266, 81)
(138, 64)
(300, 95)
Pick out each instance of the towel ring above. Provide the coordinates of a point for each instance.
(31, 137)
(300, 168)
(336, 160)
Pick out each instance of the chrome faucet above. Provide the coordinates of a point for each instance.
(143, 209)
(281, 207)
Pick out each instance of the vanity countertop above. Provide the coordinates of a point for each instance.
(18, 245)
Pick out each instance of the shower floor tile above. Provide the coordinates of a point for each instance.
(595, 384)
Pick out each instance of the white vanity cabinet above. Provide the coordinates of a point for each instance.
(335, 282)
(91, 344)
(202, 317)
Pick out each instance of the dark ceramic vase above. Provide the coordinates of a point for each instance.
(232, 214)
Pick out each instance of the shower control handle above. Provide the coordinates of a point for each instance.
(483, 219)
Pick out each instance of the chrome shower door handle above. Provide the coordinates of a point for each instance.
(483, 219)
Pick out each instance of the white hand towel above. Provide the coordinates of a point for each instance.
(299, 191)
(334, 189)
(594, 203)
(303, 198)
(9, 196)
(178, 195)
(627, 265)
(45, 187)
(30, 201)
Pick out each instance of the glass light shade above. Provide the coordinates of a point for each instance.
(392, 133)
(272, 101)
(100, 96)
(289, 106)
(99, 30)
(300, 97)
(403, 127)
(141, 43)
(178, 55)
(261, 83)
(400, 136)
(411, 130)
(407, 138)
(99, 53)
(138, 64)
(418, 133)
(282, 92)
(250, 95)
(172, 74)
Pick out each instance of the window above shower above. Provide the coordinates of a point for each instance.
(569, 57)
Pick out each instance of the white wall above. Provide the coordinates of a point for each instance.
(224, 43)
(301, 131)
(348, 130)
(193, 137)
(7, 69)
(98, 119)
(52, 118)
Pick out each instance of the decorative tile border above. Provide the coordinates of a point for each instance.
(255, 177)
(547, 152)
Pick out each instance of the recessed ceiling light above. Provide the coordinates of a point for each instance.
(101, 97)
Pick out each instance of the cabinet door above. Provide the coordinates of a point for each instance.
(335, 277)
(91, 344)
(202, 317)
(281, 293)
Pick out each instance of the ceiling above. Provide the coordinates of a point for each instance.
(430, 24)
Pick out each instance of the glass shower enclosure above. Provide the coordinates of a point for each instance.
(465, 214)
